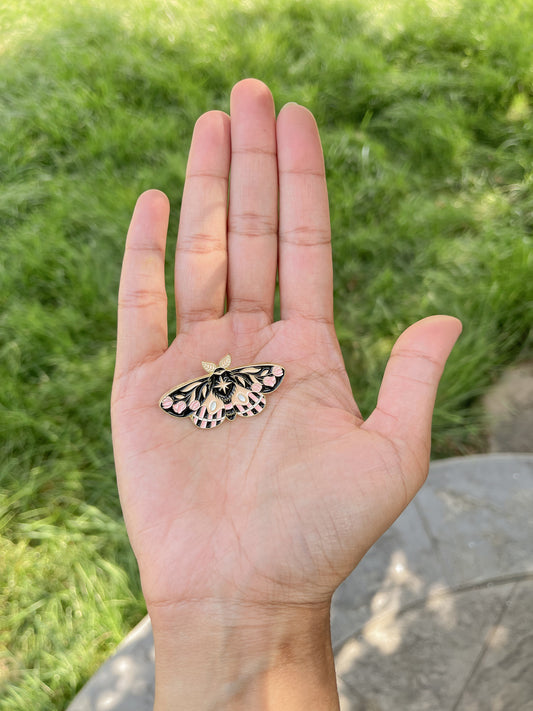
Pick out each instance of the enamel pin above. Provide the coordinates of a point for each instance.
(222, 393)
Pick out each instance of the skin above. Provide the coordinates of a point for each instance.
(243, 532)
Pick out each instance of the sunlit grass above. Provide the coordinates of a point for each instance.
(425, 110)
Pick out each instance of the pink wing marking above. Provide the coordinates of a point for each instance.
(208, 420)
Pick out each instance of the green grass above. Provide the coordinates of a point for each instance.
(425, 110)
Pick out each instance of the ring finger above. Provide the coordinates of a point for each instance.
(201, 256)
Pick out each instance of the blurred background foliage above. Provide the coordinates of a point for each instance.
(425, 111)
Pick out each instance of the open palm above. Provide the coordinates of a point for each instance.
(279, 507)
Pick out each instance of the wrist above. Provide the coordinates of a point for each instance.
(213, 656)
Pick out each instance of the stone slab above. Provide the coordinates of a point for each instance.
(126, 681)
(422, 657)
(502, 679)
(478, 513)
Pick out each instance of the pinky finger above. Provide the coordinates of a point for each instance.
(142, 301)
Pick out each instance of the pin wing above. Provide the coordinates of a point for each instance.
(251, 384)
(195, 399)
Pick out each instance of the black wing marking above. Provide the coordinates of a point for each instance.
(187, 398)
(264, 377)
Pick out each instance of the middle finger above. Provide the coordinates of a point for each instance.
(253, 202)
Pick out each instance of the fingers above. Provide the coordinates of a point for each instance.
(253, 204)
(244, 267)
(305, 265)
(142, 300)
(201, 257)
(407, 396)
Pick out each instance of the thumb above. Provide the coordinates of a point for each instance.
(407, 395)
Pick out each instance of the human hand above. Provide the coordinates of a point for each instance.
(252, 525)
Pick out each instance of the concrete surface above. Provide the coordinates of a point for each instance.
(125, 682)
(437, 617)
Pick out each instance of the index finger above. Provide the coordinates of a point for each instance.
(142, 299)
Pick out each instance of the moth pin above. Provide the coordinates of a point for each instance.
(223, 394)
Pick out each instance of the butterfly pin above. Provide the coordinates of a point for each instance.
(222, 393)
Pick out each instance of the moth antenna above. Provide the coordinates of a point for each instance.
(209, 367)
(225, 362)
